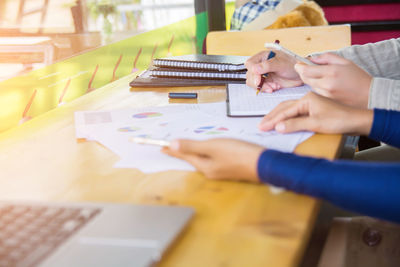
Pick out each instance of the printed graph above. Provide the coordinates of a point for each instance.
(144, 136)
(146, 115)
(211, 130)
(128, 129)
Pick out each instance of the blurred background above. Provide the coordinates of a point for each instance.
(64, 28)
(54, 51)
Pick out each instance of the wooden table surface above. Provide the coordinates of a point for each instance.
(236, 224)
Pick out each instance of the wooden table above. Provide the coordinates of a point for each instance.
(236, 224)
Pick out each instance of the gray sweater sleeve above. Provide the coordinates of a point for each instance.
(382, 61)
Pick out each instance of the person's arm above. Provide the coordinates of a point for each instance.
(373, 189)
(384, 93)
(386, 127)
(379, 59)
(382, 61)
(369, 188)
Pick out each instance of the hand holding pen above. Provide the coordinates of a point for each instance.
(281, 72)
(264, 76)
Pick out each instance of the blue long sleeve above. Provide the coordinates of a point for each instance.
(369, 188)
(386, 127)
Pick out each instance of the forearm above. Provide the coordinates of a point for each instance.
(382, 61)
(379, 59)
(371, 189)
(384, 93)
(386, 127)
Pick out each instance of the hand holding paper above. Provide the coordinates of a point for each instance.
(319, 114)
(219, 158)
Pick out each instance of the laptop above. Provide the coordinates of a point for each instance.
(43, 234)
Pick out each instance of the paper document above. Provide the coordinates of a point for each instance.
(242, 100)
(115, 129)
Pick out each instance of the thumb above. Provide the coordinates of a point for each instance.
(295, 125)
(329, 58)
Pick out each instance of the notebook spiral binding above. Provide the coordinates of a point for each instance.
(199, 75)
(198, 65)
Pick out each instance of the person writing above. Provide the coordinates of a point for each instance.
(365, 76)
(348, 82)
(372, 189)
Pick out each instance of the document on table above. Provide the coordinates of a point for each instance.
(242, 100)
(115, 128)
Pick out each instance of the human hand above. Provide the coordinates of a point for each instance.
(317, 113)
(337, 78)
(280, 69)
(219, 158)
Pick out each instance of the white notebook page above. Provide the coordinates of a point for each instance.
(243, 100)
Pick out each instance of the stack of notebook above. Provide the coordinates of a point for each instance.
(193, 70)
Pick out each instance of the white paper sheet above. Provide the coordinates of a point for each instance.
(243, 100)
(199, 122)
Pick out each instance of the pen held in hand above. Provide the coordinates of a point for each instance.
(270, 55)
(149, 141)
(259, 86)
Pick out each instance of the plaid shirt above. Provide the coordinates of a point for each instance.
(250, 11)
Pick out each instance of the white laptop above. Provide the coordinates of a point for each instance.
(44, 234)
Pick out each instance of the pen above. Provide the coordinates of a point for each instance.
(290, 53)
(183, 95)
(149, 141)
(270, 55)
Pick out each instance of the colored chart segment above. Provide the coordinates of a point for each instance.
(144, 136)
(146, 115)
(128, 129)
(211, 130)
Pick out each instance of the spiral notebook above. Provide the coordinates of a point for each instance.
(193, 70)
(221, 63)
(197, 74)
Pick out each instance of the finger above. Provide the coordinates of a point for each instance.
(329, 58)
(276, 86)
(273, 87)
(294, 109)
(307, 71)
(278, 109)
(253, 80)
(199, 162)
(304, 123)
(271, 119)
(186, 146)
(320, 86)
(267, 87)
(172, 152)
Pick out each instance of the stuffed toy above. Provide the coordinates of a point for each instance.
(307, 14)
(276, 14)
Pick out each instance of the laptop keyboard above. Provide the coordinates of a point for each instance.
(28, 233)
